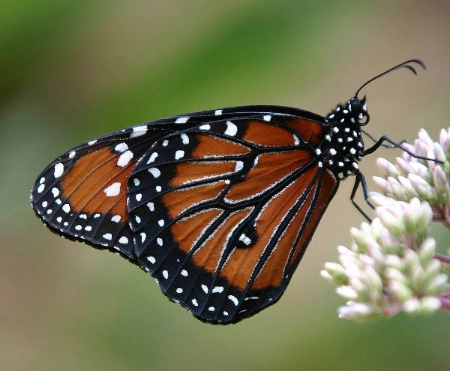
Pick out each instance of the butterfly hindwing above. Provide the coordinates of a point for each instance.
(218, 211)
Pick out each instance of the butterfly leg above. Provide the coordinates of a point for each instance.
(361, 181)
(384, 138)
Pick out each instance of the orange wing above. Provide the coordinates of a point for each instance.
(222, 213)
(219, 206)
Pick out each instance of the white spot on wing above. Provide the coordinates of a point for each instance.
(123, 240)
(231, 129)
(154, 171)
(185, 138)
(179, 154)
(239, 166)
(205, 127)
(113, 190)
(233, 299)
(218, 112)
(181, 120)
(107, 236)
(152, 157)
(121, 147)
(267, 117)
(125, 158)
(55, 192)
(59, 170)
(138, 131)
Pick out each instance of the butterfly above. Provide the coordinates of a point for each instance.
(218, 206)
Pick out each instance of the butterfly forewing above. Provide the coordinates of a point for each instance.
(83, 193)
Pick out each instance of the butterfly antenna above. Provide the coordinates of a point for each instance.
(406, 64)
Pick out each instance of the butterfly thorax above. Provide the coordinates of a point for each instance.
(343, 145)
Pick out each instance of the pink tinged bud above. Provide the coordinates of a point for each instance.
(423, 150)
(378, 199)
(394, 262)
(391, 220)
(444, 140)
(438, 285)
(425, 138)
(412, 306)
(421, 170)
(417, 217)
(387, 167)
(401, 291)
(347, 292)
(374, 279)
(422, 188)
(409, 147)
(402, 189)
(441, 185)
(403, 166)
(376, 253)
(439, 153)
(395, 274)
(325, 274)
(383, 185)
(360, 238)
(427, 249)
(335, 273)
(344, 251)
(355, 310)
(430, 278)
(418, 281)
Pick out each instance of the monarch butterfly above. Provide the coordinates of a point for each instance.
(218, 206)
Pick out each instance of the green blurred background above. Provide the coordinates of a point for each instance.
(70, 71)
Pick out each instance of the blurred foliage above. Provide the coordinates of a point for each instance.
(70, 71)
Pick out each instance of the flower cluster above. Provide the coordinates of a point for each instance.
(392, 264)
(419, 177)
